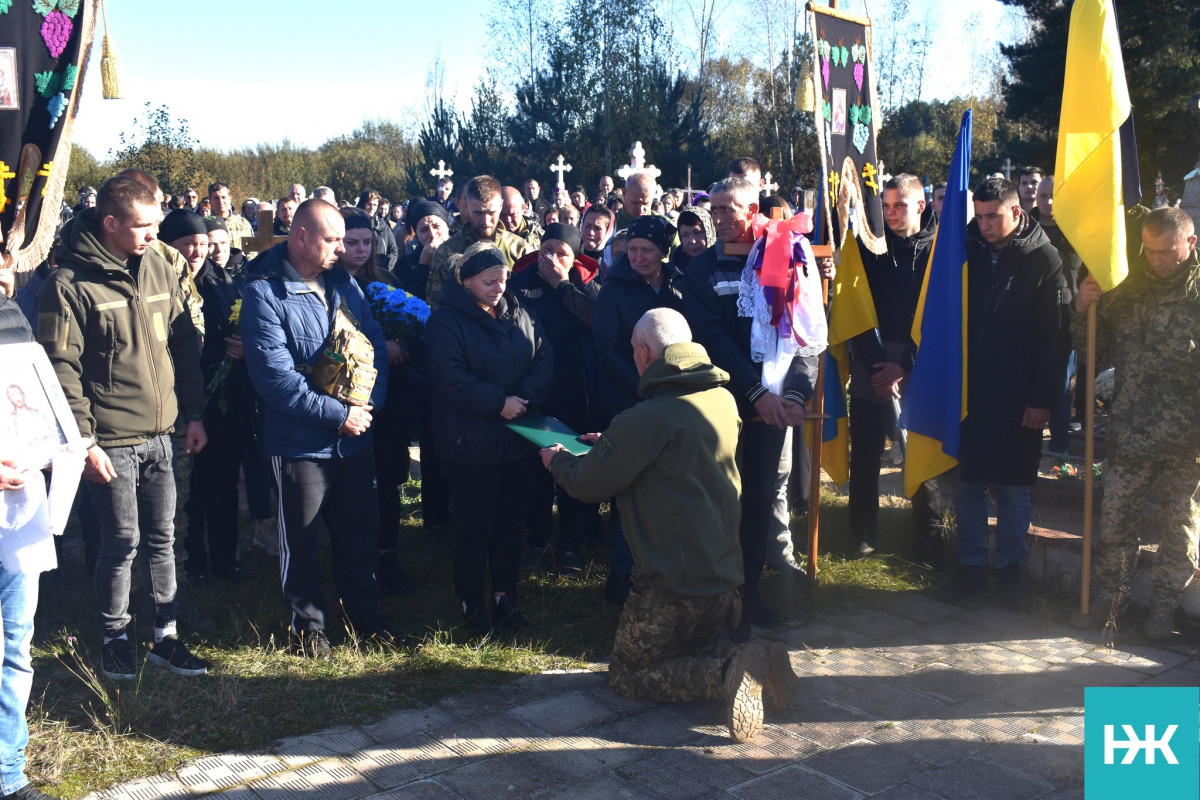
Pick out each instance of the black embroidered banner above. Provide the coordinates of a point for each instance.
(846, 120)
(43, 44)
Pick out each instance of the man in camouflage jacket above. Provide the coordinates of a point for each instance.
(1149, 328)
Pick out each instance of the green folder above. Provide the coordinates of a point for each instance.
(548, 431)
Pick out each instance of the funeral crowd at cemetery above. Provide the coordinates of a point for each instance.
(632, 373)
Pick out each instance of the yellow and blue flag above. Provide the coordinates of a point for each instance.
(1093, 170)
(851, 312)
(936, 401)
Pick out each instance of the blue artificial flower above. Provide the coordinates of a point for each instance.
(374, 290)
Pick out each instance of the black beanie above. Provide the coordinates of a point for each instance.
(214, 224)
(180, 223)
(483, 260)
(356, 218)
(425, 208)
(658, 230)
(567, 234)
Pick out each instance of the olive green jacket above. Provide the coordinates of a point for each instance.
(120, 339)
(511, 245)
(670, 461)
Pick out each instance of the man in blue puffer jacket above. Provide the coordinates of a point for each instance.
(320, 447)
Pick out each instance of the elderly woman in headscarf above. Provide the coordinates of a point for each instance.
(489, 363)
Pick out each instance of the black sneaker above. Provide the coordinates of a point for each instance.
(174, 655)
(507, 615)
(968, 582)
(28, 792)
(311, 644)
(537, 557)
(116, 660)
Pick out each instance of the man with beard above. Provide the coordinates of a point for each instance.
(515, 216)
(484, 201)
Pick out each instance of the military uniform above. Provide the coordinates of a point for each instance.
(1150, 329)
(511, 245)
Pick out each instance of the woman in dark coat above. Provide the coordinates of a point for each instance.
(393, 433)
(489, 364)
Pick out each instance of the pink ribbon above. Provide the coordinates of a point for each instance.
(777, 250)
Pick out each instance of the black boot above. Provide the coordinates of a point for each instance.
(392, 580)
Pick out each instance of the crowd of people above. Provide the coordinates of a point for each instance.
(189, 360)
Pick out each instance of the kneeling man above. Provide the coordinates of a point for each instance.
(670, 462)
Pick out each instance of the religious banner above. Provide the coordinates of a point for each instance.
(847, 121)
(43, 54)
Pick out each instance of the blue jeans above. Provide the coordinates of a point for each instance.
(18, 602)
(1014, 513)
(137, 506)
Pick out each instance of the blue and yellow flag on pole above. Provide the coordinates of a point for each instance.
(851, 312)
(1089, 180)
(936, 402)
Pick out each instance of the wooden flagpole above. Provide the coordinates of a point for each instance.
(814, 478)
(1089, 458)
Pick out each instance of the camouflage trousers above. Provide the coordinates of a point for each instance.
(1158, 495)
(670, 648)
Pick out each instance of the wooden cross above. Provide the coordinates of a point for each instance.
(265, 239)
(1007, 165)
(768, 186)
(561, 169)
(441, 171)
(689, 191)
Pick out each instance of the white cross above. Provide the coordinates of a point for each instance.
(637, 163)
(561, 169)
(768, 187)
(441, 171)
(689, 191)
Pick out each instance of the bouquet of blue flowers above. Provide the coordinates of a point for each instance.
(401, 315)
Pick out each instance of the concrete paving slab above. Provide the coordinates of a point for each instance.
(684, 773)
(867, 766)
(405, 761)
(977, 779)
(561, 714)
(793, 782)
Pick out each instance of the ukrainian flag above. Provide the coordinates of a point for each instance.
(1089, 204)
(851, 312)
(936, 401)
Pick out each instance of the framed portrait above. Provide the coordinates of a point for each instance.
(839, 112)
(10, 99)
(35, 420)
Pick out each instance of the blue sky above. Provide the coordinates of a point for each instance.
(243, 72)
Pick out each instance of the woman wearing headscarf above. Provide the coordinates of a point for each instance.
(489, 363)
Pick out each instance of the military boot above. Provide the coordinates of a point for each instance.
(1161, 622)
(744, 678)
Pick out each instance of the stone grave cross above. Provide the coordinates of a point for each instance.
(561, 169)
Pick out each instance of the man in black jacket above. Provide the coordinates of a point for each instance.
(1018, 339)
(881, 360)
(713, 280)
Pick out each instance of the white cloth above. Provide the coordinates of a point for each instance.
(29, 518)
(809, 326)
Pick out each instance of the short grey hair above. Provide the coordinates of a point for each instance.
(743, 191)
(326, 194)
(660, 327)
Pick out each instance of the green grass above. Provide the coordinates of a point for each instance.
(88, 732)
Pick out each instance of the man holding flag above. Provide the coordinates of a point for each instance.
(1018, 342)
(1148, 327)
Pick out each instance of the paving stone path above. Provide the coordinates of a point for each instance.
(911, 699)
